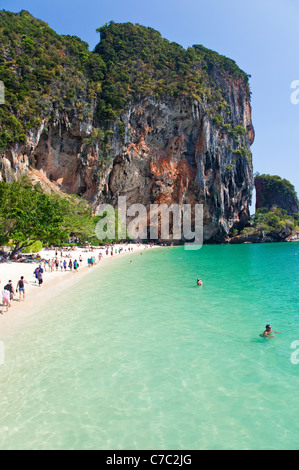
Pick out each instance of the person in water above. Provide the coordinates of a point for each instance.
(268, 332)
(199, 282)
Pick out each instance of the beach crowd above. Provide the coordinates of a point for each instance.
(48, 261)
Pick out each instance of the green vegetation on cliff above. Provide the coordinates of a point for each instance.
(45, 73)
(278, 185)
(276, 224)
(275, 220)
(139, 62)
(41, 71)
(273, 191)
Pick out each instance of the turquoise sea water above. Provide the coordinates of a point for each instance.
(136, 356)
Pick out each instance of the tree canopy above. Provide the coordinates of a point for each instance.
(28, 215)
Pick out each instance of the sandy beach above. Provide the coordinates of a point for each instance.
(52, 278)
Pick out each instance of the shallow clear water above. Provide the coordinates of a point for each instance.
(136, 356)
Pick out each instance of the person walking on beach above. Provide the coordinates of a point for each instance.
(36, 271)
(40, 278)
(21, 288)
(10, 289)
(6, 299)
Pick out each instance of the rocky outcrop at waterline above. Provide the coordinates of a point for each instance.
(274, 191)
(276, 218)
(138, 117)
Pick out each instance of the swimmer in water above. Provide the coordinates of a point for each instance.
(199, 282)
(268, 332)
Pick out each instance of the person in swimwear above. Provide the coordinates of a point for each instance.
(21, 288)
(268, 332)
(199, 282)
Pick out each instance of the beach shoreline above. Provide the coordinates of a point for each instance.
(54, 280)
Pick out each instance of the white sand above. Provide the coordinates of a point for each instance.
(13, 271)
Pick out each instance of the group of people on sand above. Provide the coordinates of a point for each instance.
(8, 292)
(63, 265)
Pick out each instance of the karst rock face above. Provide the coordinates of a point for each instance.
(273, 191)
(170, 150)
(174, 154)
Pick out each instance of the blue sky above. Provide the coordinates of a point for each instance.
(261, 36)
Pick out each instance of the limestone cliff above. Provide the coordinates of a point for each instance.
(273, 191)
(173, 153)
(135, 127)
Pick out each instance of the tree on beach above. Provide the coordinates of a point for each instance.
(28, 215)
(78, 218)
